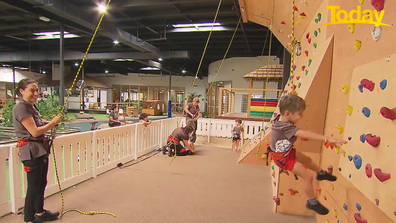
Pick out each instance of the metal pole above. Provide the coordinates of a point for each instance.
(169, 97)
(13, 81)
(83, 89)
(61, 67)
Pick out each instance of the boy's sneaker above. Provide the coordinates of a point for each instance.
(323, 175)
(318, 208)
(47, 216)
(170, 153)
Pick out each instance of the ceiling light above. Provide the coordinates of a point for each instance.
(21, 68)
(43, 72)
(102, 8)
(196, 25)
(200, 29)
(149, 68)
(183, 71)
(53, 35)
(45, 19)
(76, 64)
(160, 59)
(122, 60)
(116, 42)
(106, 71)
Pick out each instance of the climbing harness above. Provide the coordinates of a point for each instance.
(53, 131)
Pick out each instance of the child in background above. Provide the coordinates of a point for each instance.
(284, 134)
(113, 117)
(143, 118)
(236, 134)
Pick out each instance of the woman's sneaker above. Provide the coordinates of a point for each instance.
(317, 207)
(47, 216)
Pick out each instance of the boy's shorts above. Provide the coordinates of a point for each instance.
(285, 160)
(236, 138)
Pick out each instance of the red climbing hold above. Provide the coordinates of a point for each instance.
(304, 139)
(281, 194)
(381, 176)
(373, 140)
(359, 219)
(295, 8)
(309, 40)
(307, 36)
(303, 15)
(276, 200)
(378, 4)
(294, 87)
(388, 113)
(319, 191)
(293, 192)
(331, 145)
(369, 170)
(325, 198)
(303, 68)
(298, 77)
(283, 23)
(367, 84)
(306, 53)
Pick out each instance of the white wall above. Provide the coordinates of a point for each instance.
(6, 75)
(235, 68)
(155, 80)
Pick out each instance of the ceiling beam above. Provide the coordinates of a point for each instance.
(76, 15)
(135, 3)
(74, 55)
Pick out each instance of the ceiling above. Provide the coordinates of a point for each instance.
(143, 28)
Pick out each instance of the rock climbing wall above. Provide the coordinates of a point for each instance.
(356, 56)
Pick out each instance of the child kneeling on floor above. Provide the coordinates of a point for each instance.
(284, 134)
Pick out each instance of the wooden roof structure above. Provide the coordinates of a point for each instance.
(274, 71)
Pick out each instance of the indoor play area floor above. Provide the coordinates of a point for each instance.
(207, 187)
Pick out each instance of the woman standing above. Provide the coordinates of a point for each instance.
(33, 149)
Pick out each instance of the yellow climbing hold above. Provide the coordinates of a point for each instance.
(357, 44)
(331, 186)
(351, 27)
(361, 1)
(298, 22)
(337, 149)
(340, 129)
(349, 109)
(344, 153)
(264, 156)
(335, 213)
(345, 88)
(327, 221)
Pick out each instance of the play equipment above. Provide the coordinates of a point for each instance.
(154, 107)
(260, 108)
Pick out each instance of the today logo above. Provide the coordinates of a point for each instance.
(355, 16)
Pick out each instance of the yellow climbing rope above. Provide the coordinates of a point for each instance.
(53, 131)
(294, 43)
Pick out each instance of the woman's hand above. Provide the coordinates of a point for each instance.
(57, 119)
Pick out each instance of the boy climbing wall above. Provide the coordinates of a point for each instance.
(285, 156)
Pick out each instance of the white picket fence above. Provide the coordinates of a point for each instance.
(82, 156)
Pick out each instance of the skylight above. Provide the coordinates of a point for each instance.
(122, 60)
(200, 29)
(149, 68)
(53, 35)
(196, 25)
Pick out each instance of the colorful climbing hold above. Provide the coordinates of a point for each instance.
(344, 153)
(337, 150)
(383, 84)
(350, 158)
(361, 1)
(357, 160)
(298, 77)
(349, 110)
(357, 44)
(306, 72)
(335, 213)
(369, 85)
(349, 138)
(377, 202)
(315, 45)
(283, 23)
(366, 112)
(319, 190)
(280, 31)
(309, 40)
(340, 129)
(360, 88)
(359, 219)
(293, 192)
(281, 194)
(339, 169)
(316, 33)
(381, 176)
(331, 186)
(378, 4)
(306, 53)
(303, 15)
(324, 197)
(373, 140)
(345, 89)
(358, 207)
(319, 17)
(273, 167)
(309, 62)
(299, 85)
(345, 207)
(369, 170)
(295, 8)
(350, 175)
(363, 138)
(303, 68)
(376, 33)
(388, 113)
(351, 27)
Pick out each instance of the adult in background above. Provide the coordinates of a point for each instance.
(33, 149)
(193, 113)
(113, 117)
(178, 142)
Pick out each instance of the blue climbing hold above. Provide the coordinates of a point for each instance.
(339, 168)
(361, 88)
(358, 207)
(345, 207)
(383, 84)
(338, 221)
(366, 112)
(350, 158)
(363, 138)
(349, 138)
(357, 160)
(350, 175)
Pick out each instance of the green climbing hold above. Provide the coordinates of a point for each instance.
(299, 85)
(273, 168)
(319, 17)
(315, 45)
(316, 33)
(306, 72)
(309, 62)
(317, 20)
